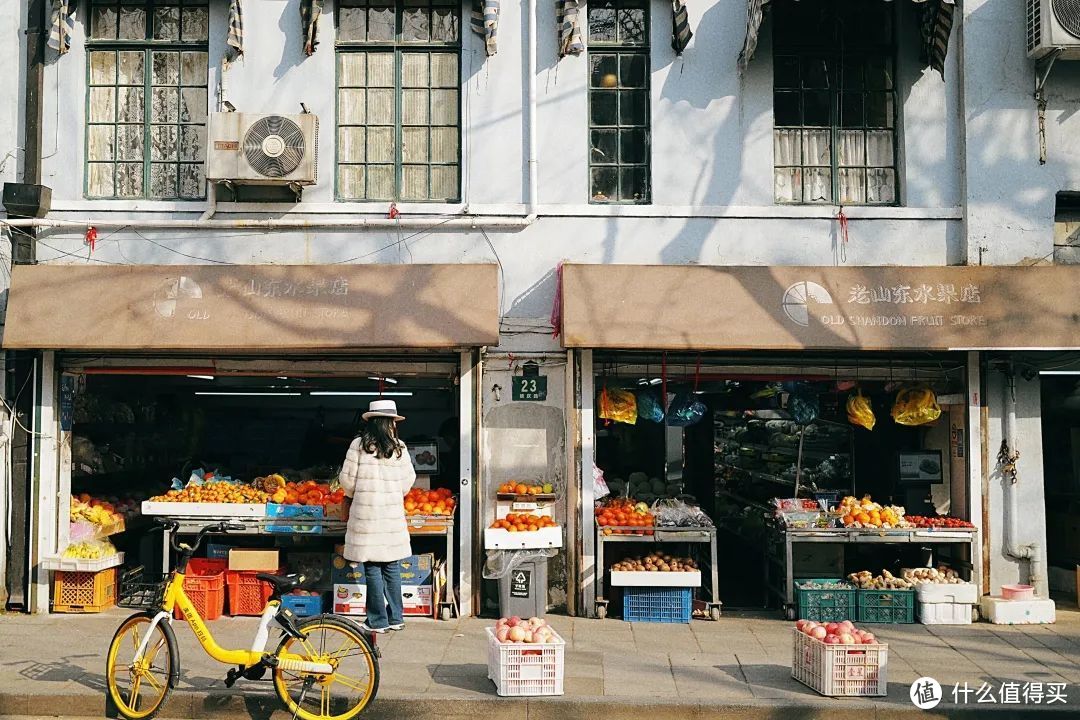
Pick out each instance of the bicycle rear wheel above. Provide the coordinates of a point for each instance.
(138, 687)
(341, 695)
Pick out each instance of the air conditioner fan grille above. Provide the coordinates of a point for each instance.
(274, 146)
(1067, 13)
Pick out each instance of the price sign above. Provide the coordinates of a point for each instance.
(530, 387)
(524, 507)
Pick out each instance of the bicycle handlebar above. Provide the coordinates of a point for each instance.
(221, 527)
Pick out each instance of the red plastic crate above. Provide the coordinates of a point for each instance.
(204, 584)
(247, 594)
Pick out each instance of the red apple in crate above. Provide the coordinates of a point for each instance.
(819, 633)
(502, 633)
(516, 634)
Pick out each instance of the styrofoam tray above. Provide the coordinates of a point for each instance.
(499, 539)
(947, 593)
(189, 509)
(57, 562)
(645, 578)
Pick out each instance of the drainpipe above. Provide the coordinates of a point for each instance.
(531, 216)
(1008, 458)
(319, 221)
(211, 202)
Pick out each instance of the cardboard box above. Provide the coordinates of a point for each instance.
(415, 570)
(263, 560)
(418, 600)
(349, 599)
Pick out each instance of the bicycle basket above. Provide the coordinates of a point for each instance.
(141, 590)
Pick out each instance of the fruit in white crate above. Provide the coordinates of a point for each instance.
(516, 630)
(843, 633)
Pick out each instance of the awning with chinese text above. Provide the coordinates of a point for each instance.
(252, 307)
(684, 307)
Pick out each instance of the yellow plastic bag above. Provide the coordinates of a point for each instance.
(859, 411)
(618, 406)
(916, 406)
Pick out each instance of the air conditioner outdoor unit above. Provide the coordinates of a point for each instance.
(263, 149)
(1053, 25)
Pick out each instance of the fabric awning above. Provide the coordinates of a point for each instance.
(692, 307)
(935, 29)
(252, 307)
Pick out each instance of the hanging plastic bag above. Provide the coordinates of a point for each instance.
(859, 411)
(803, 403)
(501, 563)
(618, 406)
(649, 407)
(685, 409)
(600, 486)
(916, 406)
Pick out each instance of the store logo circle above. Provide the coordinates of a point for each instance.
(172, 291)
(925, 693)
(797, 298)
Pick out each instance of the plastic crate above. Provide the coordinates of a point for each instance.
(886, 606)
(204, 585)
(303, 605)
(657, 604)
(83, 592)
(835, 605)
(840, 670)
(518, 669)
(247, 594)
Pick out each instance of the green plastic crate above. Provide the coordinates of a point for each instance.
(834, 605)
(886, 606)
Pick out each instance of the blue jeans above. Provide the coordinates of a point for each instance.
(384, 605)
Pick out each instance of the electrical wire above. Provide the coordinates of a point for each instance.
(178, 252)
(502, 272)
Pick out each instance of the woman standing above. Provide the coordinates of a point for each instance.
(376, 474)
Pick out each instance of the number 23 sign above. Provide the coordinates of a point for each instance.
(530, 387)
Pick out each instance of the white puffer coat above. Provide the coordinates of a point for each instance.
(376, 531)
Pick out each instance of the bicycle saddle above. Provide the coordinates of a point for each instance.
(282, 583)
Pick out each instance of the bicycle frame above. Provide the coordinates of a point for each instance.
(176, 597)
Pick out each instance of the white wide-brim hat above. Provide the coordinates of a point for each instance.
(382, 408)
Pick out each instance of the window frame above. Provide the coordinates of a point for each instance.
(147, 46)
(399, 47)
(836, 92)
(619, 48)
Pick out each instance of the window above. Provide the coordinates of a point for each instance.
(834, 96)
(146, 99)
(619, 101)
(398, 114)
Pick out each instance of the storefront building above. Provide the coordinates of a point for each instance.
(505, 204)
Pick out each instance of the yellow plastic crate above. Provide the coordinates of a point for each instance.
(83, 592)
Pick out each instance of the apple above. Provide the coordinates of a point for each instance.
(529, 637)
(516, 634)
(847, 639)
(847, 625)
(501, 622)
(536, 622)
(832, 640)
(819, 633)
(514, 621)
(832, 627)
(869, 639)
(801, 624)
(502, 633)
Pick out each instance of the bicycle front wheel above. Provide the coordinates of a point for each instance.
(341, 695)
(138, 683)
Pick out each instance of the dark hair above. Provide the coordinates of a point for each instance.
(378, 436)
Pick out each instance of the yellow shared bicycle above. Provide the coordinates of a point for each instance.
(324, 667)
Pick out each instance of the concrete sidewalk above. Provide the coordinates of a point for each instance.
(737, 667)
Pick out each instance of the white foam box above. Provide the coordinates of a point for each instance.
(635, 578)
(499, 539)
(530, 506)
(944, 613)
(1000, 611)
(947, 593)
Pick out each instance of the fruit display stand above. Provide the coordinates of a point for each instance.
(636, 534)
(932, 540)
(419, 525)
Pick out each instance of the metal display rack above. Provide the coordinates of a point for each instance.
(694, 535)
(419, 526)
(928, 538)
